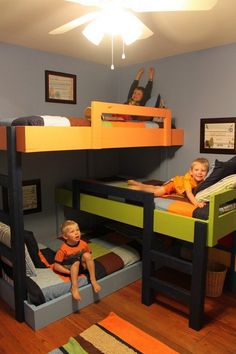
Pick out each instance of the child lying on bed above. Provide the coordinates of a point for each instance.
(182, 185)
(74, 256)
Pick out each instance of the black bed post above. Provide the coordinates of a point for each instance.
(148, 215)
(16, 222)
(231, 271)
(198, 282)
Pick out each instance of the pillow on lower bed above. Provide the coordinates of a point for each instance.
(5, 238)
(33, 249)
(224, 184)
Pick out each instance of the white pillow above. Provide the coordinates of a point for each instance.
(221, 186)
(5, 238)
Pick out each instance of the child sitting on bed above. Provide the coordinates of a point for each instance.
(138, 95)
(182, 185)
(74, 256)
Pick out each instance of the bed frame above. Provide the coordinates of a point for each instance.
(98, 136)
(101, 199)
(29, 139)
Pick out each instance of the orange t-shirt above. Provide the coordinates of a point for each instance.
(184, 183)
(180, 184)
(67, 254)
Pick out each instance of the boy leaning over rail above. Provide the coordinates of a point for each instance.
(182, 185)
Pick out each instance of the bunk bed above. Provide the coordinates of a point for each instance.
(19, 139)
(100, 134)
(115, 201)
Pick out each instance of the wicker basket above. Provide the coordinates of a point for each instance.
(215, 279)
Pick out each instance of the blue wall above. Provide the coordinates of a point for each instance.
(195, 85)
(22, 93)
(22, 90)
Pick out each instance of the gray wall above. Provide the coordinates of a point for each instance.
(194, 85)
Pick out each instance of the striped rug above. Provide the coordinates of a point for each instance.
(113, 335)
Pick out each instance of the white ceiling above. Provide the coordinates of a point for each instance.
(28, 22)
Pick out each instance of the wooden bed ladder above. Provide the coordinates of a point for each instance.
(194, 297)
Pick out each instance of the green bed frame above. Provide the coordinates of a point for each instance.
(120, 204)
(177, 226)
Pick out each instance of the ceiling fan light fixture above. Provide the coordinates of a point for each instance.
(94, 32)
(130, 28)
(120, 23)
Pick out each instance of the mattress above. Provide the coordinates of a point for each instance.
(45, 120)
(59, 121)
(176, 204)
(111, 252)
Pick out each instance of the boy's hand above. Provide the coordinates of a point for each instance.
(200, 204)
(139, 74)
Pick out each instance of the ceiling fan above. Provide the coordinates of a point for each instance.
(116, 17)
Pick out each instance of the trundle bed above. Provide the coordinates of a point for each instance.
(95, 134)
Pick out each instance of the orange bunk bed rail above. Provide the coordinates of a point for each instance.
(99, 135)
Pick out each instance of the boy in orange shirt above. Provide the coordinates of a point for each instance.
(74, 256)
(182, 185)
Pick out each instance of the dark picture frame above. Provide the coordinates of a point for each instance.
(60, 87)
(31, 197)
(218, 135)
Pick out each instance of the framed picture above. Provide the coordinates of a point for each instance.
(60, 87)
(31, 194)
(218, 135)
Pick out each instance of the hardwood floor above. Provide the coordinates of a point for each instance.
(165, 320)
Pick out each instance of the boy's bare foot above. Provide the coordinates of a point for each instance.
(136, 188)
(132, 182)
(96, 287)
(75, 293)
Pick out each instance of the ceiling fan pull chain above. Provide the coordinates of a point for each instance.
(123, 52)
(112, 52)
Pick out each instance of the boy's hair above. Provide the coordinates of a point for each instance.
(140, 88)
(66, 225)
(202, 161)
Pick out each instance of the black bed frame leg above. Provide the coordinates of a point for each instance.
(147, 291)
(198, 282)
(16, 223)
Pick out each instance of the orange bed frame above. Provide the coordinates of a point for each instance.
(98, 136)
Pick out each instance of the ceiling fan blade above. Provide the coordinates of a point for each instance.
(170, 5)
(75, 23)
